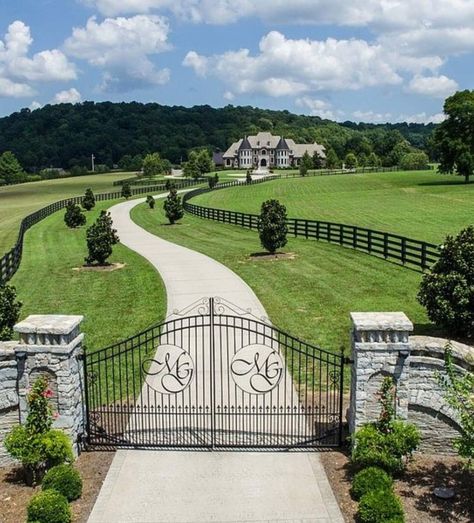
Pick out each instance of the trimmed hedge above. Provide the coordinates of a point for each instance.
(49, 506)
(380, 506)
(370, 479)
(64, 479)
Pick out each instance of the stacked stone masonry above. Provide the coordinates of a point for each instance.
(382, 346)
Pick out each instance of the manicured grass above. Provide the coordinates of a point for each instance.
(423, 205)
(17, 201)
(115, 304)
(310, 296)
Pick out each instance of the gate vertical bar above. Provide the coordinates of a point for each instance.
(212, 371)
(86, 397)
(341, 395)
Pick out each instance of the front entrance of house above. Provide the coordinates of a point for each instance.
(214, 377)
(263, 162)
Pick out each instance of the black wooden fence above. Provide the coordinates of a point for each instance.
(389, 246)
(10, 262)
(184, 182)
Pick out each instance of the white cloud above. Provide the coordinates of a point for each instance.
(35, 105)
(69, 96)
(422, 118)
(436, 86)
(286, 67)
(121, 48)
(18, 70)
(371, 117)
(319, 108)
(229, 96)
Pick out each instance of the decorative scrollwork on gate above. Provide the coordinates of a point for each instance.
(170, 371)
(257, 369)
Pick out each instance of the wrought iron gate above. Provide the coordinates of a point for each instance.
(214, 376)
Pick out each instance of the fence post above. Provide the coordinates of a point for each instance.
(380, 347)
(51, 346)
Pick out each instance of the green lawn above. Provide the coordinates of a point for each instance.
(16, 201)
(115, 304)
(422, 204)
(310, 296)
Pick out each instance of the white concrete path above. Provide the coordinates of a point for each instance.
(188, 487)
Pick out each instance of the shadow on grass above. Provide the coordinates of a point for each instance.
(445, 182)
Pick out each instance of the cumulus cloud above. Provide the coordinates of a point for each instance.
(121, 47)
(69, 96)
(422, 118)
(371, 117)
(18, 70)
(319, 108)
(436, 86)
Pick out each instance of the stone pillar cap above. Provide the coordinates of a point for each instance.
(48, 324)
(381, 321)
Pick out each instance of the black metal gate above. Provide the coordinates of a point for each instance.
(214, 376)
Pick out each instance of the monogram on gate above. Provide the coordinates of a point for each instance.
(257, 369)
(171, 371)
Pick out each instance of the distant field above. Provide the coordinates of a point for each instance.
(16, 201)
(422, 204)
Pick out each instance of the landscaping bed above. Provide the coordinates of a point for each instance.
(14, 494)
(415, 488)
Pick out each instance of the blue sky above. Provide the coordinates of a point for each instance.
(362, 60)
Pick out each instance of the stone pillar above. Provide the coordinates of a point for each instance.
(380, 347)
(51, 346)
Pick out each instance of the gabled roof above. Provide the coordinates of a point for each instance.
(245, 145)
(282, 145)
(233, 149)
(264, 140)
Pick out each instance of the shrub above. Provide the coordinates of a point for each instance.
(57, 448)
(248, 177)
(173, 207)
(414, 160)
(213, 181)
(49, 506)
(371, 478)
(73, 216)
(272, 227)
(88, 202)
(380, 506)
(126, 191)
(78, 170)
(447, 291)
(9, 311)
(64, 479)
(150, 201)
(101, 237)
(373, 448)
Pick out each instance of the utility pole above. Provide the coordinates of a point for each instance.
(92, 160)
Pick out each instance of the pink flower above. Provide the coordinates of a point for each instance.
(48, 393)
(56, 415)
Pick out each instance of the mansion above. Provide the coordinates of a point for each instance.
(265, 151)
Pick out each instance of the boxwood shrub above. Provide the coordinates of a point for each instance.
(369, 479)
(49, 506)
(64, 479)
(380, 506)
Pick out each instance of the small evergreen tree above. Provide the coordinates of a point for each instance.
(213, 181)
(150, 201)
(169, 185)
(88, 202)
(373, 160)
(10, 168)
(126, 191)
(317, 161)
(447, 291)
(173, 207)
(272, 227)
(101, 237)
(305, 164)
(332, 160)
(9, 311)
(350, 161)
(74, 217)
(248, 177)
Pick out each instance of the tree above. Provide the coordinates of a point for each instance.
(398, 152)
(447, 291)
(73, 216)
(101, 237)
(88, 202)
(272, 227)
(169, 185)
(204, 162)
(190, 168)
(306, 163)
(9, 311)
(317, 161)
(152, 165)
(414, 161)
(332, 160)
(10, 168)
(129, 163)
(459, 395)
(350, 161)
(126, 191)
(454, 137)
(173, 207)
(373, 160)
(213, 181)
(150, 201)
(248, 177)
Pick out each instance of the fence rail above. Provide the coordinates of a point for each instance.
(401, 249)
(10, 261)
(185, 182)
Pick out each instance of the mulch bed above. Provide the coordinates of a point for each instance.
(424, 473)
(110, 267)
(265, 256)
(14, 495)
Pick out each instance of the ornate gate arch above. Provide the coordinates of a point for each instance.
(214, 376)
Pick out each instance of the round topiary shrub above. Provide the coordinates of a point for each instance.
(380, 506)
(64, 479)
(371, 478)
(49, 506)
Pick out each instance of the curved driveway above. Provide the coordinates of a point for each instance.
(161, 486)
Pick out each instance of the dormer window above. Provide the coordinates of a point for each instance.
(264, 151)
